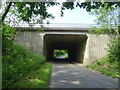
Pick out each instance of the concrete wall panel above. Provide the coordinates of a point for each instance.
(97, 46)
(33, 41)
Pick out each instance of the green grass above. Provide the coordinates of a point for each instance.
(105, 67)
(36, 79)
(23, 69)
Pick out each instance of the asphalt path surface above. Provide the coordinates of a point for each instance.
(66, 75)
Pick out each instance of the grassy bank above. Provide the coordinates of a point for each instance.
(22, 69)
(38, 78)
(105, 67)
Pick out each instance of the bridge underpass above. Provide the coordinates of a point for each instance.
(75, 44)
(81, 45)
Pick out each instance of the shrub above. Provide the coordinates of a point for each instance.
(114, 50)
(7, 38)
(17, 65)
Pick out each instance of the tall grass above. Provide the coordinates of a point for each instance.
(18, 64)
(106, 67)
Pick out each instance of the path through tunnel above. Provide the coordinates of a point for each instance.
(74, 44)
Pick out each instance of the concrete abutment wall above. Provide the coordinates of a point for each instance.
(83, 47)
(96, 47)
(33, 41)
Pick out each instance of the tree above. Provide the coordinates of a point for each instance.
(26, 11)
(88, 5)
(107, 19)
(33, 12)
(5, 13)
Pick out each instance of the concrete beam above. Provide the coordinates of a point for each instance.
(55, 29)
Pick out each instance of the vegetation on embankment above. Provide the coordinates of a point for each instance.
(38, 78)
(20, 68)
(106, 67)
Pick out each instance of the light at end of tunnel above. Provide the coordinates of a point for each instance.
(60, 54)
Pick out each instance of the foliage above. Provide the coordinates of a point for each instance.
(105, 67)
(41, 29)
(114, 50)
(100, 30)
(87, 5)
(36, 79)
(7, 38)
(28, 11)
(106, 19)
(17, 64)
(58, 53)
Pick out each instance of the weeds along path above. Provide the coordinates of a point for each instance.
(75, 76)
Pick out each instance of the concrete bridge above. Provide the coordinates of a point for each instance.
(81, 45)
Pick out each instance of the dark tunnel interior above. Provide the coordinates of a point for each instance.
(74, 43)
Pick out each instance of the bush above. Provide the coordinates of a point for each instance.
(114, 50)
(7, 38)
(17, 65)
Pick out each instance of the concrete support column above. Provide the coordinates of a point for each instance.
(86, 54)
(41, 45)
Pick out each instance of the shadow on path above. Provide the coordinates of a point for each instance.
(62, 61)
(72, 75)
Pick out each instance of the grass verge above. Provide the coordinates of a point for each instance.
(36, 79)
(105, 67)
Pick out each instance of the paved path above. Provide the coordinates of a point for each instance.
(76, 76)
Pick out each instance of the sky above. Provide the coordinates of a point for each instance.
(77, 15)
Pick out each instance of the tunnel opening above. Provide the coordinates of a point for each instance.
(73, 44)
(60, 55)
